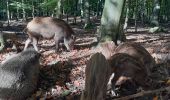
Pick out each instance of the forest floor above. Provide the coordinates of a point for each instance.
(63, 74)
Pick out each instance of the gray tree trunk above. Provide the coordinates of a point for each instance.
(110, 22)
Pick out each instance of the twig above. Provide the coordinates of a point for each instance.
(143, 93)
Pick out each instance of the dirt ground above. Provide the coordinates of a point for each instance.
(62, 74)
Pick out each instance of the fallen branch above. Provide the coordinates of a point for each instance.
(143, 93)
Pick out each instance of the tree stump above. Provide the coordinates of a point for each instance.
(97, 76)
(106, 48)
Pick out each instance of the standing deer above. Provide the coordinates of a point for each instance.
(48, 27)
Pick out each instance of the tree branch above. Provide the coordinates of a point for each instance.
(143, 93)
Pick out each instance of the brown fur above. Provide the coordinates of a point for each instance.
(51, 21)
(139, 53)
(127, 67)
(65, 26)
(48, 27)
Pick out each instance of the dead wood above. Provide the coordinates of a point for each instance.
(10, 38)
(143, 93)
(97, 76)
(106, 48)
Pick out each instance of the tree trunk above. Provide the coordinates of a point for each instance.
(97, 76)
(58, 9)
(110, 22)
(155, 13)
(154, 19)
(80, 3)
(143, 12)
(8, 14)
(75, 11)
(23, 11)
(86, 14)
(136, 12)
(17, 13)
(2, 44)
(33, 10)
(98, 4)
(127, 16)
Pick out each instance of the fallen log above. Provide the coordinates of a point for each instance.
(6, 36)
(143, 93)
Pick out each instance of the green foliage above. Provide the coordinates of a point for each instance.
(19, 5)
(51, 4)
(77, 8)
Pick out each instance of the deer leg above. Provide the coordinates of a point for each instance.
(57, 39)
(35, 42)
(27, 42)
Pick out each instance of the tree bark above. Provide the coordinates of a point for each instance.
(143, 93)
(58, 9)
(23, 11)
(2, 44)
(110, 22)
(80, 6)
(155, 13)
(143, 12)
(127, 17)
(8, 14)
(86, 14)
(17, 15)
(33, 9)
(136, 13)
(97, 76)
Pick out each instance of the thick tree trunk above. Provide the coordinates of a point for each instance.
(97, 77)
(110, 22)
